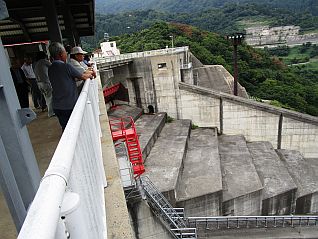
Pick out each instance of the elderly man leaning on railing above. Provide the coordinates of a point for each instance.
(63, 77)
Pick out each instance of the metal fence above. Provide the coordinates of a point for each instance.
(70, 199)
(235, 222)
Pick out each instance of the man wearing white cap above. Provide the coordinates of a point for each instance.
(77, 60)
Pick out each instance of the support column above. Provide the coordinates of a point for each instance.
(49, 8)
(221, 115)
(280, 128)
(16, 153)
(70, 27)
(10, 189)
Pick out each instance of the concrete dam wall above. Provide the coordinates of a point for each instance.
(232, 115)
(167, 82)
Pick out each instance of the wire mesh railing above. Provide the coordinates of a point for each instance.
(70, 199)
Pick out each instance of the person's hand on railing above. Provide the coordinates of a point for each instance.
(89, 74)
(92, 71)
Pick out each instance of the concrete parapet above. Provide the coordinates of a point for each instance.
(200, 185)
(148, 130)
(117, 217)
(279, 188)
(165, 161)
(242, 188)
(305, 178)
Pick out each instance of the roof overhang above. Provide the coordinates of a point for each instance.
(27, 21)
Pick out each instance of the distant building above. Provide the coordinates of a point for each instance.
(283, 35)
(109, 48)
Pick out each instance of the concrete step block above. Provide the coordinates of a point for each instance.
(305, 177)
(165, 161)
(279, 187)
(199, 189)
(148, 129)
(242, 188)
(124, 111)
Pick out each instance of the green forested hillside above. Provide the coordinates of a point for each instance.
(230, 18)
(263, 76)
(191, 6)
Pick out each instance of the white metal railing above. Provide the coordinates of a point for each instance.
(129, 56)
(73, 185)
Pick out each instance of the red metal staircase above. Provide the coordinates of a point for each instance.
(124, 129)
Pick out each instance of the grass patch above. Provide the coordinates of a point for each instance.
(169, 119)
(307, 53)
(193, 126)
(311, 65)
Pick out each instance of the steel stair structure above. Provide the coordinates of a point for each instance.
(124, 129)
(171, 217)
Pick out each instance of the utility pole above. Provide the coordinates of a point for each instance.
(236, 40)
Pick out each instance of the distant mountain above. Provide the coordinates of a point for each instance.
(190, 6)
(226, 20)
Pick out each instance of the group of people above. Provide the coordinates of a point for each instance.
(54, 84)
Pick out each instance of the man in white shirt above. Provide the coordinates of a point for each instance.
(38, 100)
(77, 60)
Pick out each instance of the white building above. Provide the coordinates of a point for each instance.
(109, 48)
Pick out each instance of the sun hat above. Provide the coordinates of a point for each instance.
(77, 50)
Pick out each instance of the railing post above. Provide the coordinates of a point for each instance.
(61, 232)
(74, 218)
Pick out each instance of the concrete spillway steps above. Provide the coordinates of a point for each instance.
(305, 176)
(279, 188)
(165, 161)
(199, 190)
(148, 129)
(242, 188)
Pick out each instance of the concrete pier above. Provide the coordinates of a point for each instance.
(164, 163)
(242, 188)
(200, 188)
(305, 178)
(279, 188)
(148, 130)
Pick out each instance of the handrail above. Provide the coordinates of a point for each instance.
(171, 214)
(43, 217)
